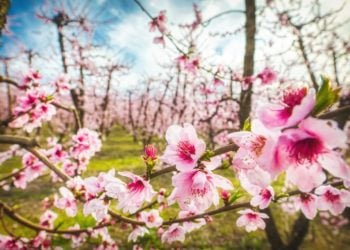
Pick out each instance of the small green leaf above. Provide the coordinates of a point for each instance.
(247, 126)
(326, 96)
(225, 164)
(235, 196)
(207, 155)
(49, 98)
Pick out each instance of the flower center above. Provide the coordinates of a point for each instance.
(306, 150)
(258, 145)
(306, 198)
(294, 97)
(175, 233)
(185, 150)
(136, 186)
(332, 197)
(266, 194)
(252, 216)
(151, 218)
(199, 191)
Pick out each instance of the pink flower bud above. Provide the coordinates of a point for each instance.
(150, 152)
(225, 195)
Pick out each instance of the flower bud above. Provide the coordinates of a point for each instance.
(150, 153)
(225, 195)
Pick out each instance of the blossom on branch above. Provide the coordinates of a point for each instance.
(138, 191)
(197, 188)
(151, 218)
(174, 233)
(251, 220)
(184, 147)
(295, 105)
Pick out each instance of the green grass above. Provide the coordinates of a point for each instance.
(121, 153)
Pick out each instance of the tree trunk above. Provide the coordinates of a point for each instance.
(58, 21)
(250, 26)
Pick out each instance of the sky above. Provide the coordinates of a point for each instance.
(126, 29)
(123, 27)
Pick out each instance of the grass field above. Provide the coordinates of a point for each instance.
(121, 153)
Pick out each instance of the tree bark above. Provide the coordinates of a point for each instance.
(59, 21)
(299, 231)
(272, 233)
(307, 61)
(250, 26)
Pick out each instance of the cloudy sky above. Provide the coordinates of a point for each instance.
(123, 27)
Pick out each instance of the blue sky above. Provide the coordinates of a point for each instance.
(127, 34)
(24, 25)
(126, 30)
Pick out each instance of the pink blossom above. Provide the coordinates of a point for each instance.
(253, 180)
(62, 84)
(93, 186)
(137, 232)
(20, 180)
(295, 105)
(267, 76)
(32, 76)
(199, 187)
(115, 188)
(189, 63)
(218, 82)
(191, 225)
(138, 191)
(181, 60)
(67, 202)
(41, 241)
(34, 167)
(332, 199)
(251, 220)
(28, 101)
(306, 177)
(205, 90)
(310, 147)
(76, 183)
(192, 64)
(105, 236)
(98, 208)
(151, 218)
(56, 153)
(159, 22)
(258, 148)
(47, 219)
(308, 205)
(264, 198)
(32, 109)
(174, 233)
(184, 147)
(246, 82)
(70, 168)
(85, 144)
(44, 111)
(77, 239)
(159, 40)
(7, 242)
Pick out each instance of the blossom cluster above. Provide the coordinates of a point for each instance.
(285, 138)
(35, 105)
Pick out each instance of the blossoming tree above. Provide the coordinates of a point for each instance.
(294, 137)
